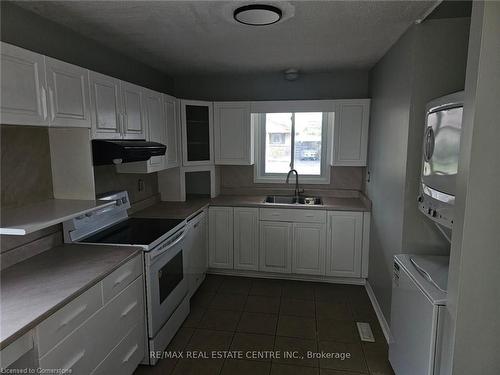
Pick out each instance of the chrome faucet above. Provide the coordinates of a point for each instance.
(297, 190)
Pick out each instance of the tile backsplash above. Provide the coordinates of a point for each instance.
(139, 186)
(239, 180)
(26, 175)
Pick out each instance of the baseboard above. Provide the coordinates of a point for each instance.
(381, 318)
(285, 276)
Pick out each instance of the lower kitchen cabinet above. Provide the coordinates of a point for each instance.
(275, 246)
(220, 254)
(92, 334)
(309, 244)
(344, 244)
(197, 246)
(246, 238)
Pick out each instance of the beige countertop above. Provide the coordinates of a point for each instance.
(32, 290)
(185, 210)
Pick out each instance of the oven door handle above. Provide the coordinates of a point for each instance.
(165, 248)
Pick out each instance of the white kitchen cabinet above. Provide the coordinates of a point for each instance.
(344, 243)
(156, 129)
(68, 91)
(197, 246)
(275, 246)
(197, 133)
(68, 337)
(172, 117)
(350, 132)
(132, 116)
(23, 87)
(309, 244)
(105, 104)
(220, 237)
(246, 238)
(233, 133)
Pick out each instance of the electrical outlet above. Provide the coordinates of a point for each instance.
(140, 185)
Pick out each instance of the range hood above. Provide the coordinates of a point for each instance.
(117, 151)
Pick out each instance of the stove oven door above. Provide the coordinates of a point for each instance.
(166, 281)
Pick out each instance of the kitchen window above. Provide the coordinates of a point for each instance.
(292, 140)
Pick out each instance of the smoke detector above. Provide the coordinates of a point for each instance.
(291, 74)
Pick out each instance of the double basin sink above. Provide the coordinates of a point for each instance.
(290, 199)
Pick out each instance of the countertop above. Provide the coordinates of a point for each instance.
(186, 210)
(34, 289)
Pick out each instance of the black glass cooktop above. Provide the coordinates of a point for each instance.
(134, 231)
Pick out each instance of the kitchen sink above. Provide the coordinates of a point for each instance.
(288, 199)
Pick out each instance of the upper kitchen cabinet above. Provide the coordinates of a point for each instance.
(160, 114)
(156, 128)
(134, 125)
(23, 88)
(350, 133)
(171, 106)
(233, 133)
(68, 89)
(197, 133)
(105, 106)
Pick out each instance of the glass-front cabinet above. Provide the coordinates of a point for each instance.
(197, 133)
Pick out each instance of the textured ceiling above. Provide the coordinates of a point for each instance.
(200, 37)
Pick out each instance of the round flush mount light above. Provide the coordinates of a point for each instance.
(257, 14)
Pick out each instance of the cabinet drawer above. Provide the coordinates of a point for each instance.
(76, 353)
(124, 311)
(119, 279)
(125, 357)
(90, 343)
(293, 215)
(66, 320)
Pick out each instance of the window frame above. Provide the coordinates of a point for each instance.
(259, 121)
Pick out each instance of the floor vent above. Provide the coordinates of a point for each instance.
(365, 332)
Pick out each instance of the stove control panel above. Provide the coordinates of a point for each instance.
(83, 225)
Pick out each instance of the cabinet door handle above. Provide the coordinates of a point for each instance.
(73, 316)
(121, 278)
(52, 104)
(44, 102)
(75, 360)
(129, 309)
(130, 353)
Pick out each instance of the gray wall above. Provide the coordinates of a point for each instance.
(26, 175)
(427, 61)
(339, 85)
(107, 179)
(472, 326)
(28, 30)
(389, 118)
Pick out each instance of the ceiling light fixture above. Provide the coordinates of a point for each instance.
(257, 14)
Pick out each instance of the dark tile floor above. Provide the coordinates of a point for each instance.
(250, 315)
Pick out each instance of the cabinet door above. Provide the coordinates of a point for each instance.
(173, 131)
(69, 102)
(275, 246)
(350, 132)
(198, 249)
(105, 106)
(156, 128)
(309, 243)
(344, 244)
(134, 124)
(233, 135)
(246, 238)
(23, 90)
(220, 237)
(197, 133)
